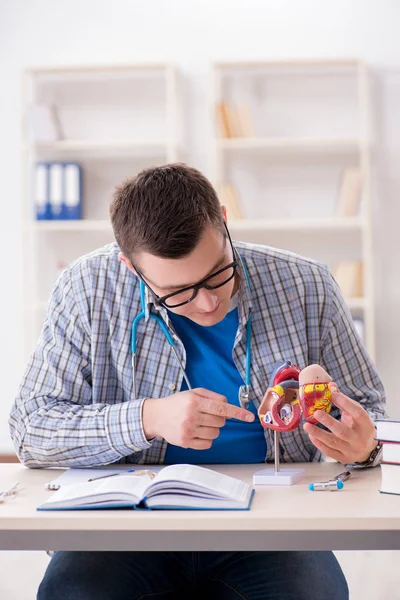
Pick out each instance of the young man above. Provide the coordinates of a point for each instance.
(82, 404)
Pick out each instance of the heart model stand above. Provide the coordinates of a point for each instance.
(276, 476)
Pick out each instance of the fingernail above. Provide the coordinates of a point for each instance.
(250, 417)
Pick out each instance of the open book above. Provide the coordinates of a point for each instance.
(187, 487)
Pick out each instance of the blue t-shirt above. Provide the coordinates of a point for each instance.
(209, 364)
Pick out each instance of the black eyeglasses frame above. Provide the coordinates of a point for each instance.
(201, 284)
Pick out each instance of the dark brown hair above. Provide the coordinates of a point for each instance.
(164, 211)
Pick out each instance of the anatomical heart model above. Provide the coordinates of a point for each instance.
(315, 391)
(294, 391)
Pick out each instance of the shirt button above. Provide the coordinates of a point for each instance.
(172, 387)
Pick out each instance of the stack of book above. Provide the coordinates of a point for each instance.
(388, 433)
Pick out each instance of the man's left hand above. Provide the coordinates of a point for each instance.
(349, 440)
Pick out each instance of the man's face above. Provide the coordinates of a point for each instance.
(166, 276)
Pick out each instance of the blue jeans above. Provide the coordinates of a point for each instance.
(179, 575)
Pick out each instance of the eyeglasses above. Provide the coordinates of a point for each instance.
(187, 294)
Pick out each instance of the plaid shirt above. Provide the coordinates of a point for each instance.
(76, 405)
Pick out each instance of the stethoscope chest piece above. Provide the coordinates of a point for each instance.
(244, 396)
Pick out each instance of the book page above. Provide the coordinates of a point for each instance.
(130, 484)
(82, 474)
(134, 486)
(199, 477)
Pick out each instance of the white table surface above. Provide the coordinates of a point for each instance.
(281, 518)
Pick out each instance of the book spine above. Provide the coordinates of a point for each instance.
(142, 505)
(229, 198)
(56, 190)
(41, 191)
(72, 203)
(348, 204)
(221, 121)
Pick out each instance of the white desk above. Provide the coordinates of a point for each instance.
(281, 518)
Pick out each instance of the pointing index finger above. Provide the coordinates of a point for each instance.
(229, 411)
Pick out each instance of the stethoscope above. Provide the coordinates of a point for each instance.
(244, 390)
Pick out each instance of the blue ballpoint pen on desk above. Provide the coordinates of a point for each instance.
(111, 475)
(146, 472)
(334, 484)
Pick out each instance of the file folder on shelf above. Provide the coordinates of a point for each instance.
(42, 200)
(58, 191)
(72, 201)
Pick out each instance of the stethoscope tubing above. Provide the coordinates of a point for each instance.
(244, 391)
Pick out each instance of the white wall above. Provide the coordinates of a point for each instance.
(192, 34)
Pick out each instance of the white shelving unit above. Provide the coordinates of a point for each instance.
(287, 144)
(306, 122)
(115, 120)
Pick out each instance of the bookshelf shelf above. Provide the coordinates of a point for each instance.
(75, 71)
(82, 225)
(357, 303)
(236, 226)
(247, 65)
(292, 148)
(316, 225)
(286, 143)
(113, 120)
(105, 148)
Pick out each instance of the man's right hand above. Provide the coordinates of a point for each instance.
(190, 419)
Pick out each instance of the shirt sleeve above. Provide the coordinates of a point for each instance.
(53, 421)
(347, 361)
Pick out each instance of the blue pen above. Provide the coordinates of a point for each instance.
(334, 484)
(111, 475)
(326, 485)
